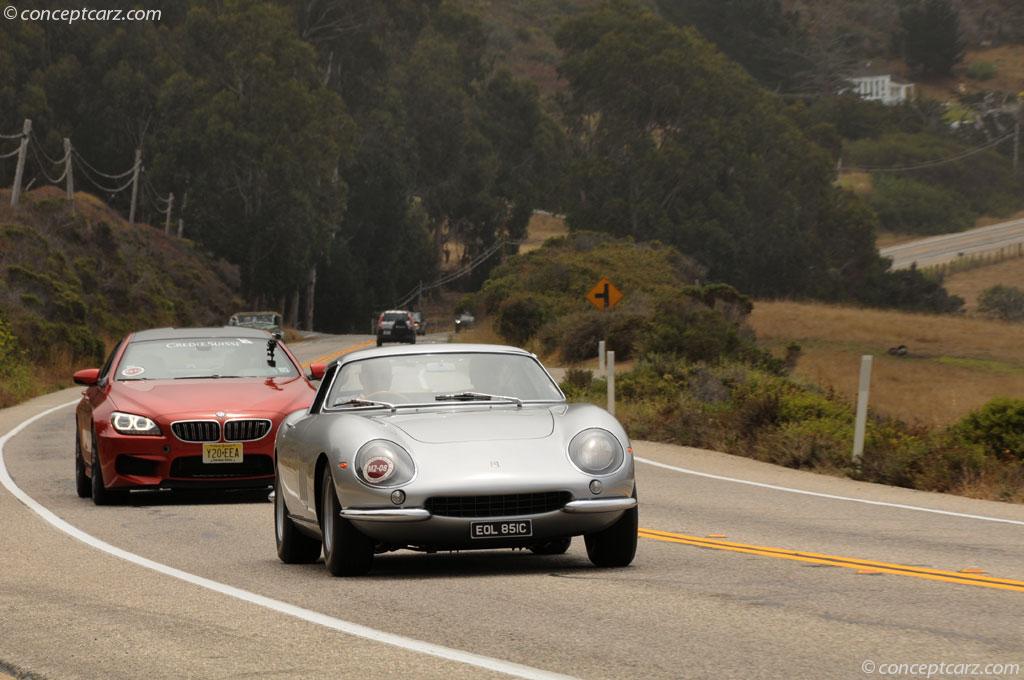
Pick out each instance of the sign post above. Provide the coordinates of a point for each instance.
(605, 296)
(862, 407)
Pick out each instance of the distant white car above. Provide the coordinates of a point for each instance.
(450, 447)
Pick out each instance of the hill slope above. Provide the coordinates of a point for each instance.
(73, 281)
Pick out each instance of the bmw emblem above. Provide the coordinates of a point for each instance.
(220, 414)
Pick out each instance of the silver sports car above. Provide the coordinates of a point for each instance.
(449, 447)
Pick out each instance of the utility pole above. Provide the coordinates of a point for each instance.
(26, 129)
(167, 221)
(135, 186)
(1016, 133)
(70, 173)
(181, 221)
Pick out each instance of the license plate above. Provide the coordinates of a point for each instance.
(509, 529)
(222, 453)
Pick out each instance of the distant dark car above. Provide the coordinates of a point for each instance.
(463, 321)
(183, 408)
(395, 325)
(265, 321)
(419, 323)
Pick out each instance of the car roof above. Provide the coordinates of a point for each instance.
(267, 311)
(180, 333)
(440, 348)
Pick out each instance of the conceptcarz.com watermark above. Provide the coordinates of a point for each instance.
(71, 16)
(938, 670)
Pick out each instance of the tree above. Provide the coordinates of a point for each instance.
(257, 141)
(757, 34)
(930, 36)
(678, 144)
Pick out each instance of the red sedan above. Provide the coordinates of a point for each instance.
(185, 408)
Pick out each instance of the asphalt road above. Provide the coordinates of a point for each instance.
(743, 570)
(936, 250)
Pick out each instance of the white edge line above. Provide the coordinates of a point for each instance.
(826, 495)
(347, 627)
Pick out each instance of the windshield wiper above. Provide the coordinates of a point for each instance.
(477, 396)
(353, 403)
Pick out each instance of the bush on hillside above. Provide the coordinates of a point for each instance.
(907, 206)
(981, 70)
(984, 183)
(1003, 302)
(998, 427)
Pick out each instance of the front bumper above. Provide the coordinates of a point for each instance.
(138, 462)
(417, 527)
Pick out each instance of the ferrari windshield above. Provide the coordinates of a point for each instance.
(211, 357)
(443, 378)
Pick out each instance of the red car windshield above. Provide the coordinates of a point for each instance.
(221, 357)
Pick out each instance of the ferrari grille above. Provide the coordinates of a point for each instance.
(196, 430)
(246, 430)
(504, 505)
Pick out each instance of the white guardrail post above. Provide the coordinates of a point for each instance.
(862, 407)
(611, 383)
(600, 357)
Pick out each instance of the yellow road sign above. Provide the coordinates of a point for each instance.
(604, 295)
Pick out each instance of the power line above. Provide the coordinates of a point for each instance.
(51, 180)
(448, 278)
(81, 158)
(96, 184)
(933, 163)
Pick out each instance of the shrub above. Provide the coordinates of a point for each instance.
(519, 318)
(981, 70)
(1004, 302)
(908, 206)
(997, 427)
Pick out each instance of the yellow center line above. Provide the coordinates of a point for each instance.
(335, 355)
(833, 560)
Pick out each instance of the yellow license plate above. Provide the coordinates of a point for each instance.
(222, 453)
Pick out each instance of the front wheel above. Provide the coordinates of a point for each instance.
(83, 485)
(616, 545)
(347, 552)
(293, 546)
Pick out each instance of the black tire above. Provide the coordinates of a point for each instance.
(616, 545)
(101, 495)
(293, 546)
(347, 552)
(557, 546)
(83, 485)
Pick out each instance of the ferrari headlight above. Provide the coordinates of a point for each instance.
(595, 452)
(129, 423)
(383, 463)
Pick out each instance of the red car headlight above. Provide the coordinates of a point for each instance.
(129, 423)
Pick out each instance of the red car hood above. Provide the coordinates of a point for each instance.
(233, 396)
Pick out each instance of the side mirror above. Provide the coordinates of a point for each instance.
(316, 371)
(87, 376)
